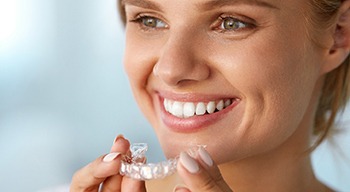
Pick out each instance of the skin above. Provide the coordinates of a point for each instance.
(270, 64)
(273, 74)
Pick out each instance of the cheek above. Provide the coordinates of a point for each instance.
(142, 51)
(139, 59)
(276, 81)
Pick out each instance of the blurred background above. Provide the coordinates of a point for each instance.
(64, 96)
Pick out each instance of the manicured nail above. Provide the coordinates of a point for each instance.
(189, 163)
(181, 188)
(118, 137)
(110, 157)
(205, 156)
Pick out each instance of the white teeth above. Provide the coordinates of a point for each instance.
(190, 109)
(211, 107)
(228, 102)
(177, 109)
(165, 103)
(220, 105)
(201, 109)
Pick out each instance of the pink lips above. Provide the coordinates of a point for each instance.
(195, 123)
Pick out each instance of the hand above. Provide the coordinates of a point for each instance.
(200, 174)
(105, 170)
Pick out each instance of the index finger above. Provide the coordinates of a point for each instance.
(201, 174)
(91, 176)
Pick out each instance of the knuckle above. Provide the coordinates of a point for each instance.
(76, 176)
(218, 178)
(208, 184)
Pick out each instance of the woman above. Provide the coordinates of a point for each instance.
(250, 79)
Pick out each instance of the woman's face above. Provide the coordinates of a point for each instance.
(235, 75)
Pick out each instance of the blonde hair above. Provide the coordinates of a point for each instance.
(336, 88)
(335, 92)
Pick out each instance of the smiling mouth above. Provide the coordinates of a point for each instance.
(191, 109)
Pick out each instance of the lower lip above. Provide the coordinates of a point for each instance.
(195, 123)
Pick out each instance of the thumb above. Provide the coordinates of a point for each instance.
(201, 174)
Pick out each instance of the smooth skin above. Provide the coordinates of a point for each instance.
(100, 171)
(190, 51)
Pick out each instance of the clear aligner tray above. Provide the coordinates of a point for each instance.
(134, 166)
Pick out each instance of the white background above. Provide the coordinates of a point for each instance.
(64, 95)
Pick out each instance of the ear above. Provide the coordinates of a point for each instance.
(341, 39)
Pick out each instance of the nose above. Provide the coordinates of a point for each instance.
(181, 61)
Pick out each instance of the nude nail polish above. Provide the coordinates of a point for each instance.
(189, 163)
(181, 188)
(118, 137)
(110, 157)
(204, 155)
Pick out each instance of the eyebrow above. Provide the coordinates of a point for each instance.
(212, 4)
(208, 5)
(143, 3)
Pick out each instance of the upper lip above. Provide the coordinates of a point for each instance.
(194, 97)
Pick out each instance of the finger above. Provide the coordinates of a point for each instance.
(181, 189)
(133, 185)
(202, 174)
(120, 144)
(113, 183)
(195, 176)
(118, 182)
(128, 185)
(89, 177)
(212, 169)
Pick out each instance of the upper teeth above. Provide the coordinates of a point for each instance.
(189, 109)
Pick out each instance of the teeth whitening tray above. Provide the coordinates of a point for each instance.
(134, 166)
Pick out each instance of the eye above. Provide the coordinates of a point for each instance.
(150, 22)
(153, 22)
(232, 24)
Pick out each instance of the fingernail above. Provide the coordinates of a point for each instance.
(110, 157)
(118, 137)
(205, 156)
(190, 164)
(181, 188)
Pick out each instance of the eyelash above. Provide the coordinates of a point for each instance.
(218, 24)
(236, 22)
(141, 19)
